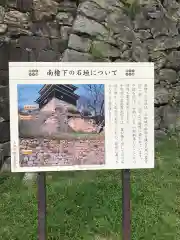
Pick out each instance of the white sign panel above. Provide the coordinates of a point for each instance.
(81, 116)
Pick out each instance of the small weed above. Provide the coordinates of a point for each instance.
(96, 53)
(131, 8)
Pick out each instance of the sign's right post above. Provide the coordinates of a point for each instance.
(126, 207)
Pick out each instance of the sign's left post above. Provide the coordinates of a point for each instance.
(41, 196)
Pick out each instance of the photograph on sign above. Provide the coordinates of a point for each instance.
(75, 134)
(64, 124)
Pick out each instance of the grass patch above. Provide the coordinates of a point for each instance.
(131, 8)
(87, 205)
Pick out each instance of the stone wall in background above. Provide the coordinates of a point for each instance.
(96, 30)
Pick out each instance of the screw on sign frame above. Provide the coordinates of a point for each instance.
(126, 214)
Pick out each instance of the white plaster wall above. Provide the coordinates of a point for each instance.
(58, 102)
(51, 105)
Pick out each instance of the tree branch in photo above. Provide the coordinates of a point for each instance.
(95, 94)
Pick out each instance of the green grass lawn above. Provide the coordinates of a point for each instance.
(87, 205)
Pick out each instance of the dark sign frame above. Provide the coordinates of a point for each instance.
(126, 208)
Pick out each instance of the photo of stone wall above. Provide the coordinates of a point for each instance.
(62, 127)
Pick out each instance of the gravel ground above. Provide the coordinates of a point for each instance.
(62, 152)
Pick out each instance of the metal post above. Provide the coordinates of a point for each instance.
(126, 212)
(41, 181)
